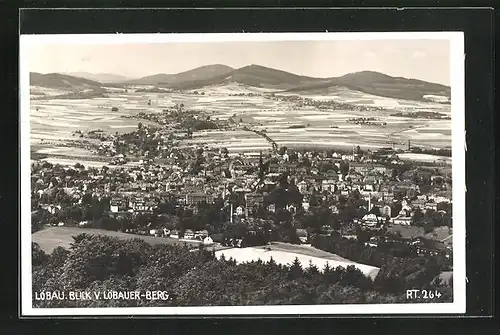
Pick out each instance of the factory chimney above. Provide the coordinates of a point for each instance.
(231, 216)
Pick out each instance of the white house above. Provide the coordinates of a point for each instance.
(174, 234)
(302, 234)
(328, 185)
(334, 209)
(348, 157)
(271, 208)
(405, 206)
(83, 224)
(370, 220)
(291, 209)
(403, 221)
(239, 210)
(386, 211)
(369, 187)
(188, 234)
(302, 186)
(430, 205)
(373, 242)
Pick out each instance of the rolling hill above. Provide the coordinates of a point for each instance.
(259, 76)
(252, 75)
(370, 82)
(154, 79)
(62, 81)
(198, 74)
(378, 84)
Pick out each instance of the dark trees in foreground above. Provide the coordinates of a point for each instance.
(191, 277)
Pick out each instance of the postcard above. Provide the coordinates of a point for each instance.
(242, 174)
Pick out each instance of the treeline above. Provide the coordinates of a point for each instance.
(198, 124)
(436, 152)
(423, 115)
(193, 278)
(94, 93)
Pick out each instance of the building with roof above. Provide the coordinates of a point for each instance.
(196, 198)
(370, 220)
(254, 199)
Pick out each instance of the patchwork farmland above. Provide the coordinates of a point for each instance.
(53, 121)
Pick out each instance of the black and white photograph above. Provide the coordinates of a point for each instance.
(242, 174)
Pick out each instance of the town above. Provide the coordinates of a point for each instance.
(243, 172)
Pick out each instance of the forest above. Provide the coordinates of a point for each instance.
(198, 278)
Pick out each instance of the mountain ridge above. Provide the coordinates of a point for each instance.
(199, 73)
(62, 81)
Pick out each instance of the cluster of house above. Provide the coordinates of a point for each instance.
(189, 235)
(137, 188)
(301, 102)
(242, 184)
(405, 216)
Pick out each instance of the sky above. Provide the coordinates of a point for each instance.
(427, 60)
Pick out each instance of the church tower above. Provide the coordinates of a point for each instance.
(261, 166)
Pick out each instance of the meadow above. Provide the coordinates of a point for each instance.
(53, 237)
(287, 257)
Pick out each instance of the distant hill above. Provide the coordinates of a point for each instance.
(154, 79)
(253, 75)
(99, 77)
(378, 84)
(370, 82)
(259, 76)
(63, 81)
(198, 74)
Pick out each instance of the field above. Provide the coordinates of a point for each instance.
(70, 161)
(304, 249)
(424, 158)
(53, 237)
(54, 120)
(284, 255)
